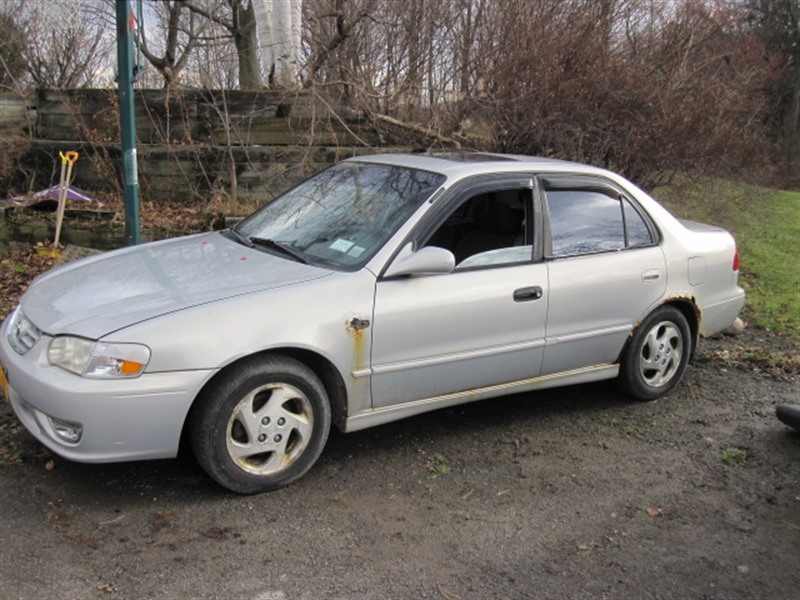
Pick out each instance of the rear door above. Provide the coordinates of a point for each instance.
(606, 271)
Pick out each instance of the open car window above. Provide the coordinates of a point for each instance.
(488, 229)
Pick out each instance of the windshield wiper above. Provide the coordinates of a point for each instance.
(240, 237)
(281, 247)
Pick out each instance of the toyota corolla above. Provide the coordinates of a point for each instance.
(383, 287)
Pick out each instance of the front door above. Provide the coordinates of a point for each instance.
(481, 325)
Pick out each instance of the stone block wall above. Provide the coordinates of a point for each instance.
(190, 143)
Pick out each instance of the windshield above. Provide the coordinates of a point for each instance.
(342, 216)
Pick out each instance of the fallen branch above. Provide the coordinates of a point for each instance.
(417, 129)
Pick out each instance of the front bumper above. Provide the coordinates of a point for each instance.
(120, 420)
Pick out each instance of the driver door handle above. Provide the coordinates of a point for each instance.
(528, 293)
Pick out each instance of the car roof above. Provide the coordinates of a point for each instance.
(461, 164)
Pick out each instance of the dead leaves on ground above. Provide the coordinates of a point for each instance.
(760, 359)
(167, 215)
(18, 267)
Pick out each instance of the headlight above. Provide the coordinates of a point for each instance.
(99, 360)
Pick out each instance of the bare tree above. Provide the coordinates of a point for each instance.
(674, 91)
(179, 30)
(237, 18)
(646, 87)
(777, 23)
(12, 46)
(331, 28)
(64, 45)
(279, 24)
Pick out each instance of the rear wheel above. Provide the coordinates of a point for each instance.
(262, 425)
(655, 358)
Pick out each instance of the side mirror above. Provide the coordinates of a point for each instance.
(425, 261)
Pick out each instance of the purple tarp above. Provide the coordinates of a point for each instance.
(52, 193)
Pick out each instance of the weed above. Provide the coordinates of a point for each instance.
(441, 465)
(429, 485)
(629, 429)
(437, 466)
(11, 457)
(734, 456)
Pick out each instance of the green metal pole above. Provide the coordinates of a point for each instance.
(130, 177)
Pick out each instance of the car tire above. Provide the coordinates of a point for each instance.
(261, 425)
(655, 358)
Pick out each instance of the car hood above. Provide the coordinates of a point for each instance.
(102, 294)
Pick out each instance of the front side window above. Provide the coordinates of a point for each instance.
(342, 216)
(589, 221)
(487, 229)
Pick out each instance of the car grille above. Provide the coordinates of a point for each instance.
(22, 333)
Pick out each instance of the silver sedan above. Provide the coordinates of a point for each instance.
(383, 287)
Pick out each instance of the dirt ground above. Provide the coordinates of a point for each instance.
(569, 493)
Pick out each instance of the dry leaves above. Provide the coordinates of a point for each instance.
(177, 217)
(18, 267)
(760, 359)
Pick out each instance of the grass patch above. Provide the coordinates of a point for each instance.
(734, 456)
(766, 224)
(442, 465)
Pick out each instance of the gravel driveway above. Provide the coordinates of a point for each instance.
(569, 493)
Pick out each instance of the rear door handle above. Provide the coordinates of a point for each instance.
(527, 293)
(651, 275)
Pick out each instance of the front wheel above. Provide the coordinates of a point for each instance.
(655, 359)
(262, 425)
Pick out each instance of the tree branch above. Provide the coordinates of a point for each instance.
(208, 15)
(417, 129)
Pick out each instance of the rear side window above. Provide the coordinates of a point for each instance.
(638, 232)
(589, 221)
